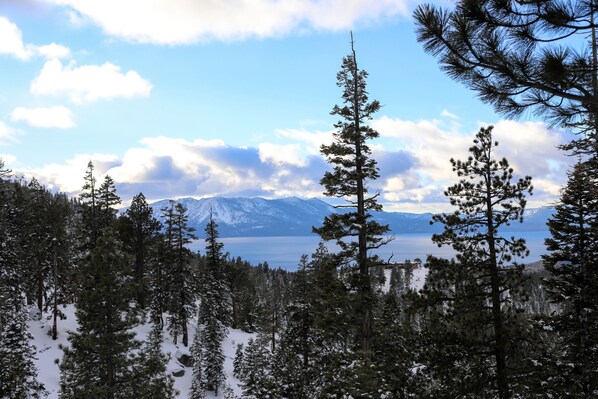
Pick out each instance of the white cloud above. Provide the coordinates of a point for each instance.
(68, 177)
(89, 83)
(54, 50)
(59, 117)
(190, 21)
(12, 44)
(8, 134)
(314, 140)
(448, 114)
(12, 41)
(278, 154)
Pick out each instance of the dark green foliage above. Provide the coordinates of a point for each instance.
(256, 379)
(140, 235)
(159, 260)
(353, 168)
(293, 361)
(393, 348)
(17, 370)
(156, 382)
(100, 360)
(61, 254)
(105, 202)
(243, 295)
(238, 363)
(573, 283)
(211, 322)
(89, 225)
(517, 54)
(179, 270)
(272, 285)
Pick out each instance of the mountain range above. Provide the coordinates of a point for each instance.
(292, 216)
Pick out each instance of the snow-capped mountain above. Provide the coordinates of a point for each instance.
(258, 217)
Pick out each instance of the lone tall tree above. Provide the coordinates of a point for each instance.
(353, 168)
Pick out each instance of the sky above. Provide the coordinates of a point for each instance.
(201, 98)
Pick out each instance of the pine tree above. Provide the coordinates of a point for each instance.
(155, 381)
(394, 349)
(106, 200)
(353, 168)
(100, 360)
(257, 382)
(238, 363)
(573, 283)
(60, 251)
(18, 375)
(37, 241)
(292, 366)
(487, 202)
(143, 230)
(300, 314)
(89, 224)
(242, 292)
(198, 379)
(332, 318)
(181, 276)
(213, 314)
(159, 261)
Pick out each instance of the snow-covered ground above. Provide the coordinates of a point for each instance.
(48, 352)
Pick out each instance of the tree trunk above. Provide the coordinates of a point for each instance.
(139, 269)
(184, 320)
(497, 319)
(55, 301)
(364, 278)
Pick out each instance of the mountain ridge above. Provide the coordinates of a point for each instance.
(293, 216)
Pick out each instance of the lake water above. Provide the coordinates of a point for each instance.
(285, 252)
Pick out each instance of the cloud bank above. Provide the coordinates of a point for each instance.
(191, 21)
(413, 158)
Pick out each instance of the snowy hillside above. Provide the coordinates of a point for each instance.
(48, 352)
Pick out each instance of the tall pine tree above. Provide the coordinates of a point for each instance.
(213, 316)
(182, 284)
(100, 360)
(487, 202)
(143, 231)
(353, 168)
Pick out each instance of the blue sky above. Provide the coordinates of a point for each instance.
(180, 98)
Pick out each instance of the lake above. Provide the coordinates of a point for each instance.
(285, 252)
